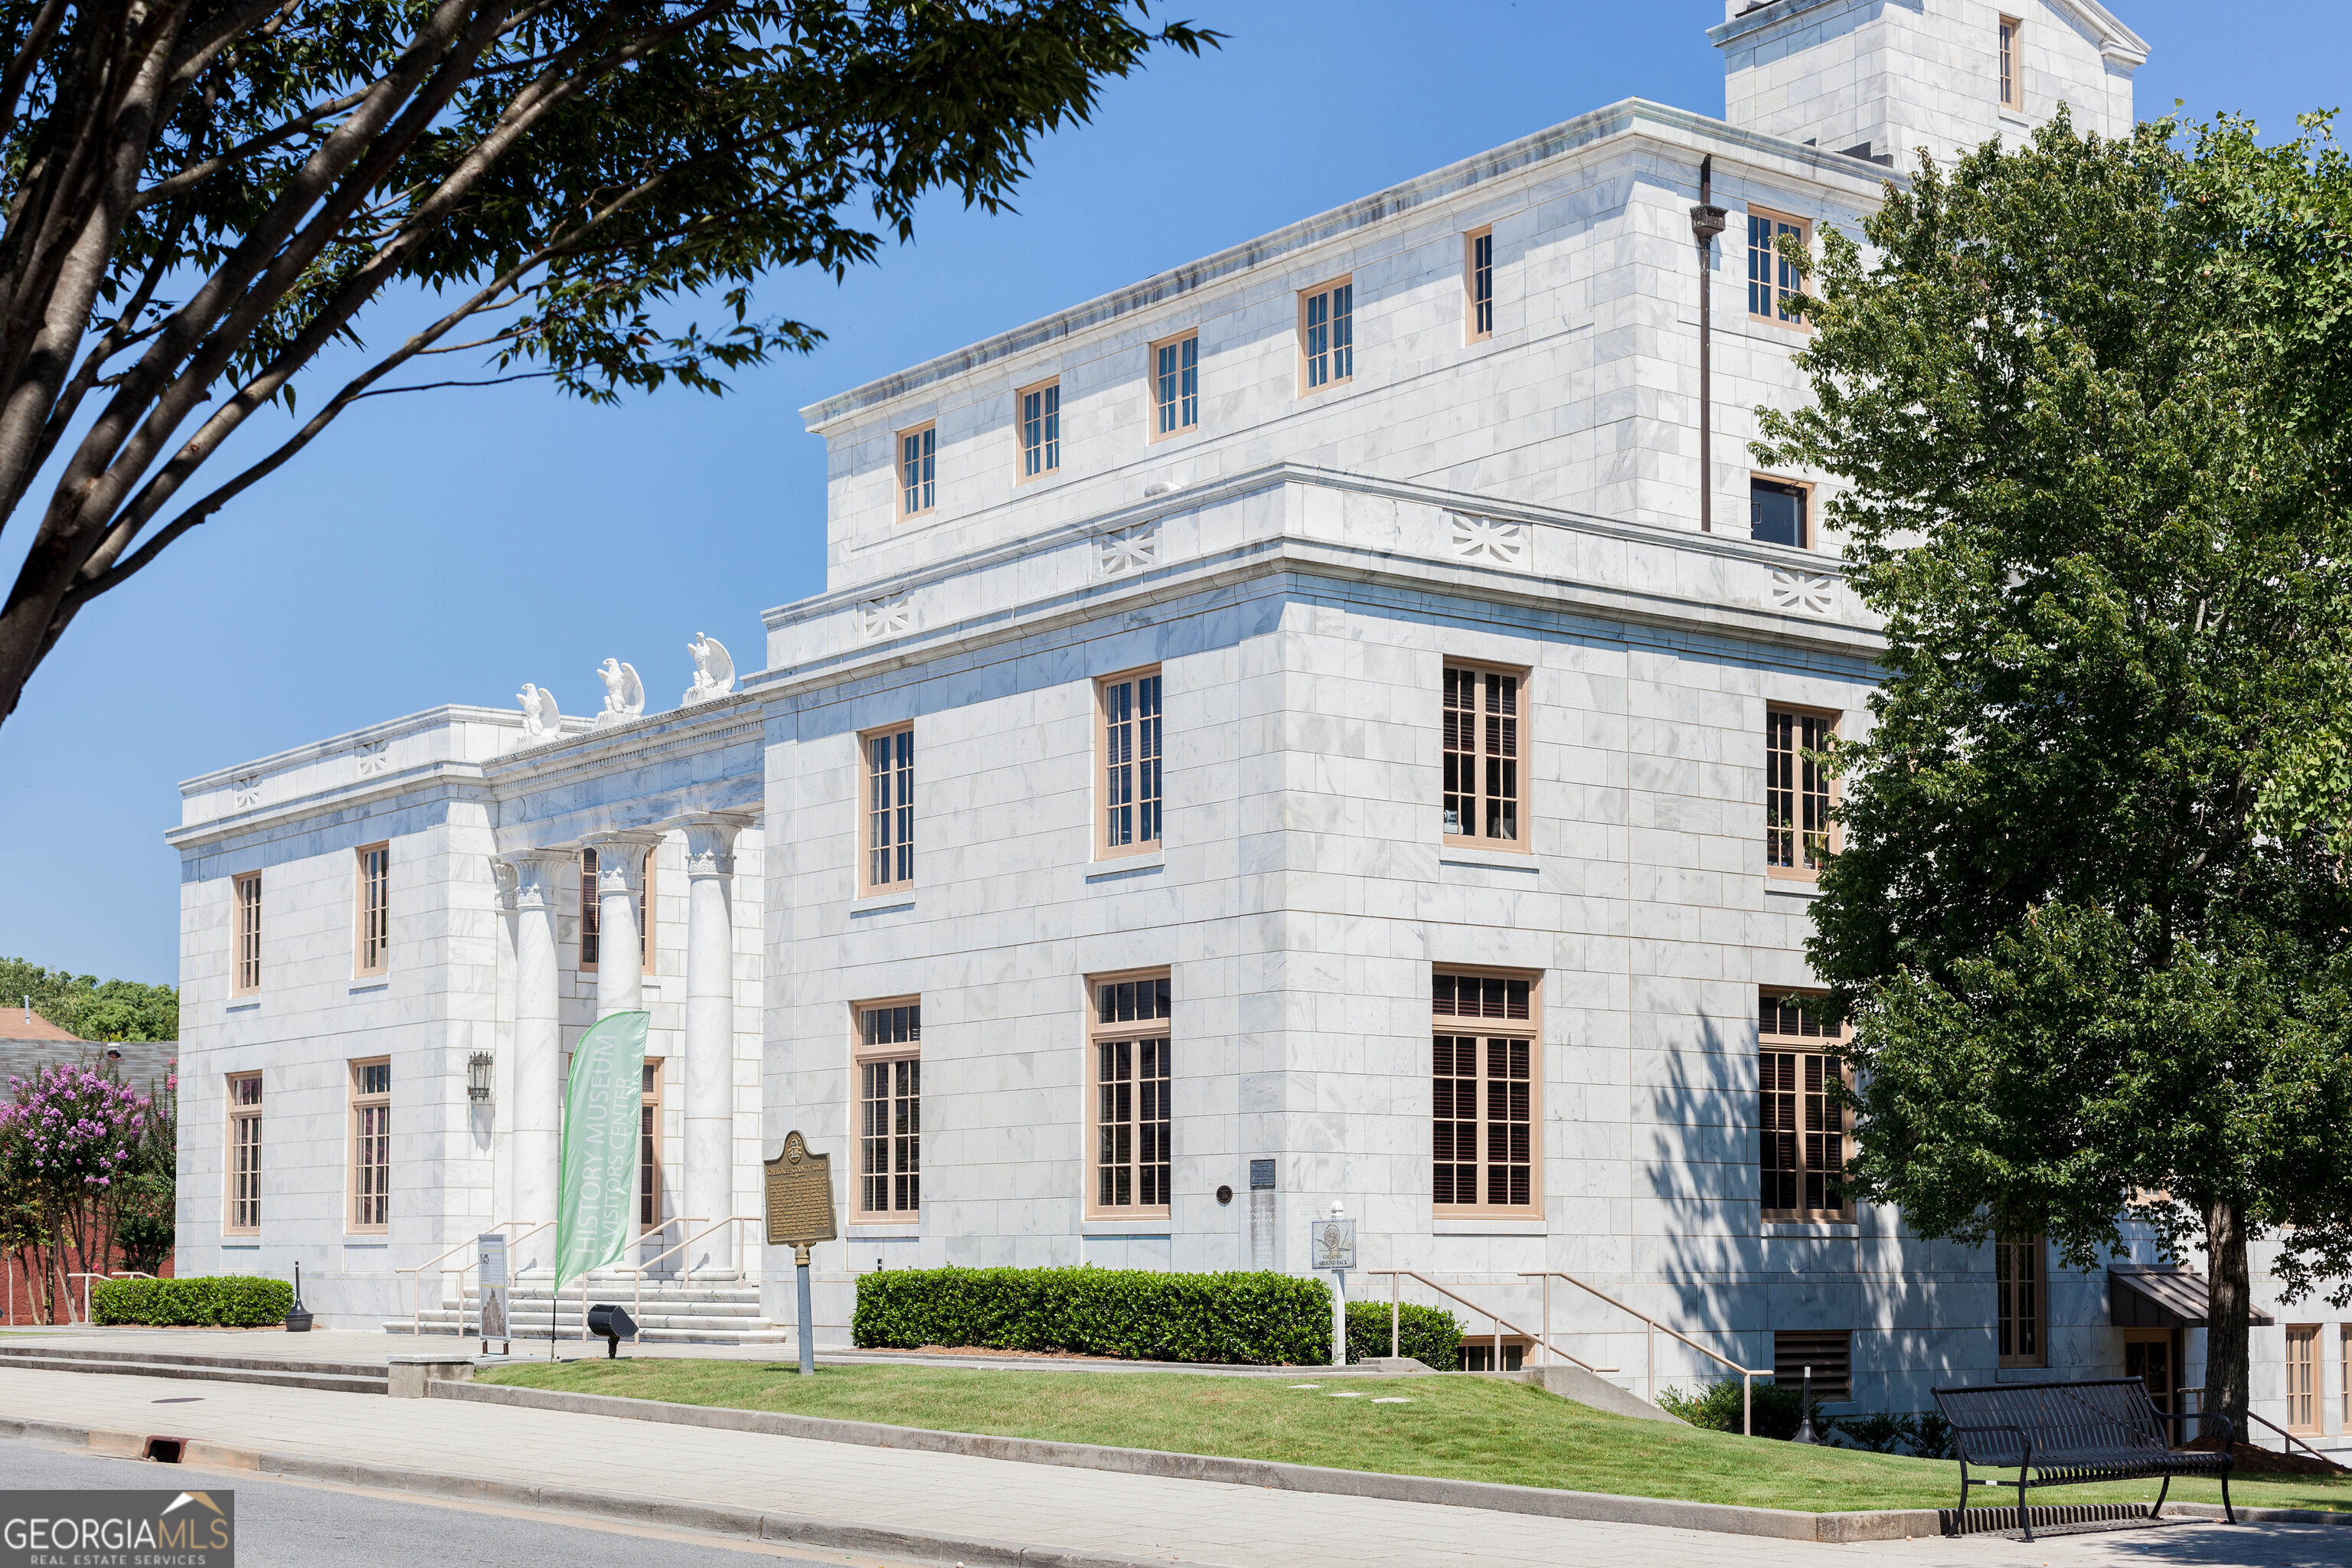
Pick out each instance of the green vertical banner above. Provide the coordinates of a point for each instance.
(596, 1196)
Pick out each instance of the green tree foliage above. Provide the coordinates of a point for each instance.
(201, 196)
(2090, 920)
(89, 1009)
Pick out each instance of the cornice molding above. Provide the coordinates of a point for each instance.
(443, 780)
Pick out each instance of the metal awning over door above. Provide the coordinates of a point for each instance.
(2152, 1296)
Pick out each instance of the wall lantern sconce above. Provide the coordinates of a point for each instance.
(478, 1075)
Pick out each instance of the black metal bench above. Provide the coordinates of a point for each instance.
(2104, 1429)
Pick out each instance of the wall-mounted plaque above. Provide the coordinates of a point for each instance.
(800, 1195)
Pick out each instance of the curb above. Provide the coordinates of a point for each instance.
(1722, 1519)
(707, 1518)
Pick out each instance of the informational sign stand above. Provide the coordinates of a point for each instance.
(800, 1215)
(1332, 1244)
(490, 1265)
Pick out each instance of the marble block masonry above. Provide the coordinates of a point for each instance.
(1429, 700)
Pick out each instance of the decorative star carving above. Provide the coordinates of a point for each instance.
(1490, 539)
(1802, 593)
(887, 617)
(1129, 549)
(371, 758)
(247, 788)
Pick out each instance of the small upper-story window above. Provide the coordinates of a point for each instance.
(372, 917)
(917, 470)
(1773, 244)
(1775, 511)
(2012, 64)
(246, 970)
(1129, 736)
(1478, 277)
(1041, 428)
(1175, 385)
(1327, 335)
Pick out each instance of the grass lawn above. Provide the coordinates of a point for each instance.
(1470, 1428)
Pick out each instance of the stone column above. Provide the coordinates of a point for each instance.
(620, 882)
(710, 1028)
(537, 1075)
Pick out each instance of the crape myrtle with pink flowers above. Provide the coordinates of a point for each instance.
(85, 1166)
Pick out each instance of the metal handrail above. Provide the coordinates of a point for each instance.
(416, 1296)
(1747, 1375)
(1395, 1301)
(2251, 1415)
(85, 1276)
(686, 1276)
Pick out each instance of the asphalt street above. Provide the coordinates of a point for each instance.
(288, 1524)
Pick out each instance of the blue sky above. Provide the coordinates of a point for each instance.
(447, 548)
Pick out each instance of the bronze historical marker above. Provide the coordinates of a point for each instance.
(800, 1195)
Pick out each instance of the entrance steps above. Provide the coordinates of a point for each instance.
(336, 1377)
(727, 1314)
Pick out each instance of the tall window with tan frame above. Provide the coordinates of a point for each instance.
(2012, 64)
(650, 1146)
(1797, 827)
(889, 1076)
(1327, 335)
(1041, 428)
(1128, 1025)
(1127, 731)
(245, 965)
(1484, 744)
(1486, 1091)
(591, 913)
(1478, 285)
(371, 1179)
(1804, 1126)
(886, 863)
(2020, 1300)
(244, 1215)
(1175, 385)
(918, 458)
(1773, 281)
(2303, 1377)
(371, 919)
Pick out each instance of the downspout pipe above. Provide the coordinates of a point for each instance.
(1706, 222)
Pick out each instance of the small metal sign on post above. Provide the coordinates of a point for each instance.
(800, 1215)
(1332, 1246)
(490, 1264)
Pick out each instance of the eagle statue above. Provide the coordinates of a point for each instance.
(714, 671)
(541, 719)
(625, 694)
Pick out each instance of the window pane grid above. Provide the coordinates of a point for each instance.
(248, 932)
(890, 1111)
(1132, 762)
(245, 1152)
(1482, 1092)
(918, 469)
(1041, 430)
(1482, 285)
(1772, 279)
(371, 1145)
(1176, 391)
(1801, 1126)
(1133, 1153)
(1796, 790)
(2303, 1378)
(1329, 327)
(891, 808)
(375, 907)
(1481, 714)
(2019, 1299)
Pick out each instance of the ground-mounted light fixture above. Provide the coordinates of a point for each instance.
(478, 1075)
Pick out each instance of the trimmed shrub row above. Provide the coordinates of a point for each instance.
(220, 1300)
(1431, 1335)
(1262, 1320)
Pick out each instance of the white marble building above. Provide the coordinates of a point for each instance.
(1160, 669)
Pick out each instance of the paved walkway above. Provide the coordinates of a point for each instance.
(1034, 1505)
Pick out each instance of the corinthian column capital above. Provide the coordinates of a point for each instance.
(621, 860)
(533, 880)
(710, 842)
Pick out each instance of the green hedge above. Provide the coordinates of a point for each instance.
(1136, 1314)
(222, 1300)
(1778, 1410)
(1431, 1335)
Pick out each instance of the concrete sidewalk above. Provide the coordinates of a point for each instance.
(959, 1498)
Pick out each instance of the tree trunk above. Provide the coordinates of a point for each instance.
(2228, 1315)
